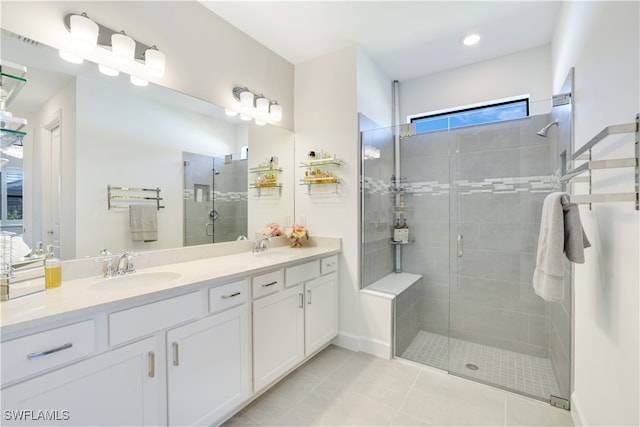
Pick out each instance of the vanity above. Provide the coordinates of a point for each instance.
(182, 343)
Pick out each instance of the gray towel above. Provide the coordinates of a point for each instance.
(144, 223)
(575, 239)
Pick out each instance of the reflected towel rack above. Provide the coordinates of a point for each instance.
(584, 153)
(111, 196)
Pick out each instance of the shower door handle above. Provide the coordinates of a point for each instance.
(206, 229)
(460, 246)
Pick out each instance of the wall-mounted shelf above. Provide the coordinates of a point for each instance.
(12, 80)
(318, 178)
(584, 153)
(267, 189)
(263, 170)
(320, 162)
(267, 182)
(11, 84)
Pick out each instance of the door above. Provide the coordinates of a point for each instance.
(321, 312)
(500, 331)
(119, 387)
(209, 368)
(278, 335)
(199, 213)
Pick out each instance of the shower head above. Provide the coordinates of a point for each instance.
(543, 132)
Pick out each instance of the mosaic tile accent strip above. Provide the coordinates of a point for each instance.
(508, 185)
(231, 196)
(516, 371)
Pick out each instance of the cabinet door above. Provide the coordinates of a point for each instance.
(116, 388)
(321, 312)
(209, 367)
(278, 335)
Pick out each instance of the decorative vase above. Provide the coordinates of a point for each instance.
(296, 243)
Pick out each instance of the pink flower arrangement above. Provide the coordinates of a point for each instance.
(272, 230)
(297, 232)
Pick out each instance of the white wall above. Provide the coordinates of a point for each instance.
(326, 119)
(601, 39)
(526, 72)
(206, 56)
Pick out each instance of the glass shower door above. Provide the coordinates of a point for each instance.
(500, 331)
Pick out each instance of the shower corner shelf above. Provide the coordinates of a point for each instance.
(401, 243)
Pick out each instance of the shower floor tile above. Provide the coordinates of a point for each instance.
(527, 374)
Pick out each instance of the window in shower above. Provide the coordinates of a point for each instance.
(496, 111)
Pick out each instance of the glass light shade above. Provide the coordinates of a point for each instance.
(275, 112)
(123, 47)
(262, 105)
(244, 117)
(154, 60)
(246, 101)
(108, 70)
(229, 112)
(84, 32)
(138, 81)
(74, 59)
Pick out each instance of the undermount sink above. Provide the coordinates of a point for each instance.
(134, 281)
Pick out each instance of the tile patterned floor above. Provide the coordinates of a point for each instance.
(516, 371)
(342, 388)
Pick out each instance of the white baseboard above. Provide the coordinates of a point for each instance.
(576, 412)
(376, 348)
(347, 340)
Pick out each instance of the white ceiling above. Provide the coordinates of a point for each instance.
(407, 39)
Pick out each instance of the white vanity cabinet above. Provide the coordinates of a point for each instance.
(209, 361)
(118, 387)
(293, 323)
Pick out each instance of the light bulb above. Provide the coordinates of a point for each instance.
(108, 70)
(74, 59)
(471, 39)
(138, 81)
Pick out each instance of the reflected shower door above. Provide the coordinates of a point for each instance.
(199, 212)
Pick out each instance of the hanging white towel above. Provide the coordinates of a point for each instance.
(548, 277)
(144, 223)
(560, 231)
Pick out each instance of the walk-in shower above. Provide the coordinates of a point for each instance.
(472, 199)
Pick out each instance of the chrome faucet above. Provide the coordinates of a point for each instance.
(125, 264)
(260, 245)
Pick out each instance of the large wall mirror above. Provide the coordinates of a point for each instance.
(87, 131)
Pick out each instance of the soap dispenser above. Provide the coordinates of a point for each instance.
(52, 270)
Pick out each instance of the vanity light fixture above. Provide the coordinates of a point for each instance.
(257, 106)
(86, 34)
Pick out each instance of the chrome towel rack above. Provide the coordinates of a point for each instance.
(584, 154)
(136, 194)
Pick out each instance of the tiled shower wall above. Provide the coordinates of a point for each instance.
(489, 190)
(377, 204)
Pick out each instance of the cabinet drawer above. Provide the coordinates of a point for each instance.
(38, 352)
(267, 283)
(329, 264)
(226, 296)
(301, 273)
(139, 321)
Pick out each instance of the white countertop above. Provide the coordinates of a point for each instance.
(81, 296)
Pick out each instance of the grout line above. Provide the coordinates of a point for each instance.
(415, 380)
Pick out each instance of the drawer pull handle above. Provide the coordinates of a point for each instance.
(301, 302)
(275, 282)
(231, 295)
(309, 296)
(47, 352)
(176, 354)
(152, 364)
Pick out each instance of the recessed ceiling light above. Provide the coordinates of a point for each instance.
(471, 39)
